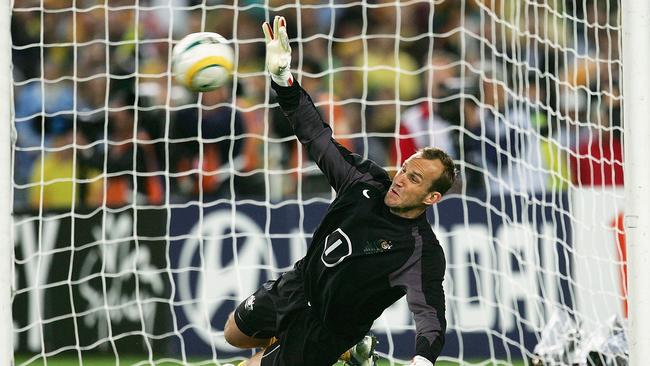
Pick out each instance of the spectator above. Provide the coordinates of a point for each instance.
(207, 145)
(598, 159)
(509, 145)
(128, 162)
(421, 125)
(43, 112)
(552, 138)
(55, 177)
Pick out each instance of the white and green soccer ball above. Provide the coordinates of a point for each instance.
(202, 61)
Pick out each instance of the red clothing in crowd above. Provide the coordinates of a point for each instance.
(599, 162)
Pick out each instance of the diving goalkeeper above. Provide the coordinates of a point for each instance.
(373, 246)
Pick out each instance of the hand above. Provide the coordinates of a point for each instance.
(420, 361)
(278, 51)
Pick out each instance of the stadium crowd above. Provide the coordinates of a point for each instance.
(524, 96)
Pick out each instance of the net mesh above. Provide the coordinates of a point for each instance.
(145, 213)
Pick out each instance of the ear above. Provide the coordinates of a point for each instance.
(432, 198)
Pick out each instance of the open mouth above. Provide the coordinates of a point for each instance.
(394, 192)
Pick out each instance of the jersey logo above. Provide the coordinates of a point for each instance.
(377, 246)
(365, 193)
(337, 248)
(250, 302)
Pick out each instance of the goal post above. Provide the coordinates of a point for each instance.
(6, 196)
(636, 90)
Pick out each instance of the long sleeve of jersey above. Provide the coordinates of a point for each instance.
(425, 296)
(341, 167)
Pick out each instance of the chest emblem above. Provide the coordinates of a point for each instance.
(385, 244)
(377, 246)
(337, 248)
(365, 193)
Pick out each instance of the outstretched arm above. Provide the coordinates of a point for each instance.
(341, 167)
(426, 299)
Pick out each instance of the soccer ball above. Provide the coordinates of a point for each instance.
(202, 61)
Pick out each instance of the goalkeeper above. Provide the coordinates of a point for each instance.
(373, 246)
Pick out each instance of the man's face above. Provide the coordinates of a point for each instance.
(409, 194)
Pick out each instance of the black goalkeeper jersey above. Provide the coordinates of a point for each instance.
(363, 258)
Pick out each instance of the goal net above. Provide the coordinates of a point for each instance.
(144, 213)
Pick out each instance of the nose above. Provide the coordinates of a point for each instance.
(399, 180)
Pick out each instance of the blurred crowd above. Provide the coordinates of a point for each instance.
(524, 95)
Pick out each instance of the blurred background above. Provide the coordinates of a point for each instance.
(94, 84)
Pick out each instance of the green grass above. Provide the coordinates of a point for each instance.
(110, 361)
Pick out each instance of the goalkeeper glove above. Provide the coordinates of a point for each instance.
(278, 51)
(420, 361)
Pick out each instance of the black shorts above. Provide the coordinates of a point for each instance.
(263, 314)
(279, 309)
(306, 342)
(256, 316)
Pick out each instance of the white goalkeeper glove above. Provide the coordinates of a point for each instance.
(278, 51)
(420, 361)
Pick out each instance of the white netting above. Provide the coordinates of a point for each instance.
(138, 228)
